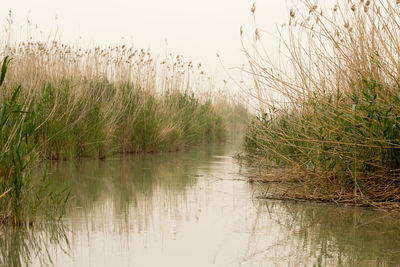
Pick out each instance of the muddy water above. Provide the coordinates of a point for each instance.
(193, 208)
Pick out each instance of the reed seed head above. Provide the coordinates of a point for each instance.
(253, 8)
(257, 34)
(292, 13)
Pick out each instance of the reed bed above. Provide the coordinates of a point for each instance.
(96, 102)
(329, 117)
(21, 199)
(59, 102)
(62, 102)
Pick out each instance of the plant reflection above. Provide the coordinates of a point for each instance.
(323, 235)
(20, 246)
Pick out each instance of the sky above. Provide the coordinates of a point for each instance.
(196, 29)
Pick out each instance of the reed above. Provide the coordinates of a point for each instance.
(62, 102)
(22, 200)
(329, 109)
(95, 102)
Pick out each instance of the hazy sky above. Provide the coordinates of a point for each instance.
(196, 29)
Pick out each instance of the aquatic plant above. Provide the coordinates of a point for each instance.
(329, 110)
(22, 199)
(95, 102)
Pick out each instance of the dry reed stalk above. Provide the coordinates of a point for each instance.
(334, 107)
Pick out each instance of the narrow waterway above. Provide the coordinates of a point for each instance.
(194, 208)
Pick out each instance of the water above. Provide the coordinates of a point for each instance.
(194, 208)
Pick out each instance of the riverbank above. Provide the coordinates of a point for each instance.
(61, 102)
(272, 186)
(329, 121)
(96, 102)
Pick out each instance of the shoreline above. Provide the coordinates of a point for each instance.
(290, 190)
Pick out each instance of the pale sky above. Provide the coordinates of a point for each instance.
(196, 29)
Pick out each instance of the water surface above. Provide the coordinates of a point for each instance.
(194, 208)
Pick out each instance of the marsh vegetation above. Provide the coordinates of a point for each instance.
(327, 129)
(98, 102)
(329, 117)
(62, 102)
(22, 200)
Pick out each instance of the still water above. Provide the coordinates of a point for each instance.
(194, 208)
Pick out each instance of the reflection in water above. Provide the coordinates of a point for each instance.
(192, 209)
(20, 246)
(324, 235)
(136, 184)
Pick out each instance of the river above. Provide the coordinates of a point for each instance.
(195, 208)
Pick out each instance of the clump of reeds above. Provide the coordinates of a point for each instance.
(98, 101)
(330, 108)
(21, 200)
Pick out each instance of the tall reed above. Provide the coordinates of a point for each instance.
(21, 199)
(329, 112)
(95, 102)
